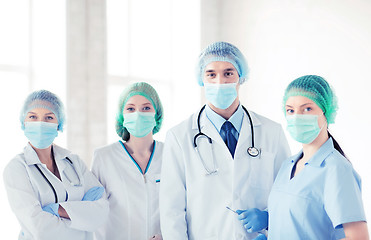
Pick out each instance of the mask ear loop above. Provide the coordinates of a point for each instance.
(323, 114)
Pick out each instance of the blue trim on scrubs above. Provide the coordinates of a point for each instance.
(136, 164)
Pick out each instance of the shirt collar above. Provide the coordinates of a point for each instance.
(32, 158)
(218, 121)
(319, 157)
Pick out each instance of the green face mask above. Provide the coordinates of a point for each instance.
(139, 124)
(303, 127)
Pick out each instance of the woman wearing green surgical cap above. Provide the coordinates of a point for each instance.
(317, 193)
(129, 169)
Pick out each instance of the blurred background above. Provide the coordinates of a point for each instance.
(88, 51)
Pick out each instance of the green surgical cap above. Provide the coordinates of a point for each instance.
(223, 52)
(145, 90)
(316, 89)
(47, 100)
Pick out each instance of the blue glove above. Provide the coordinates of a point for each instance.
(260, 237)
(253, 219)
(93, 194)
(52, 208)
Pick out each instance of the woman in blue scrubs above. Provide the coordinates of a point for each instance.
(317, 193)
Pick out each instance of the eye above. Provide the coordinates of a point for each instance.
(229, 74)
(308, 109)
(49, 118)
(32, 117)
(290, 111)
(147, 108)
(130, 109)
(210, 75)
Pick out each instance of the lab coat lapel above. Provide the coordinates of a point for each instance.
(209, 129)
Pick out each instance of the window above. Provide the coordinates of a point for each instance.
(155, 42)
(32, 56)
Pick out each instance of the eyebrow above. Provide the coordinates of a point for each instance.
(131, 104)
(300, 105)
(229, 69)
(45, 113)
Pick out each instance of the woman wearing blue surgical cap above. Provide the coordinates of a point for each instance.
(50, 190)
(129, 169)
(317, 193)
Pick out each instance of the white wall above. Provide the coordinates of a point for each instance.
(283, 40)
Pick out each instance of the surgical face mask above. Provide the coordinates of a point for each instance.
(139, 124)
(221, 95)
(41, 134)
(303, 127)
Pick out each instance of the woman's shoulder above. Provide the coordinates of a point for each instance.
(108, 148)
(108, 152)
(336, 160)
(15, 166)
(159, 144)
(338, 165)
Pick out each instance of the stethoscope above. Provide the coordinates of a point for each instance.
(50, 184)
(252, 151)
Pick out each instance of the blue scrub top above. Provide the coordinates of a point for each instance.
(325, 194)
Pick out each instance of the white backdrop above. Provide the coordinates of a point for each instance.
(281, 40)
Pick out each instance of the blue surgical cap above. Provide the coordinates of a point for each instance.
(47, 100)
(224, 52)
(145, 90)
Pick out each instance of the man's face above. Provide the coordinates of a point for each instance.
(220, 73)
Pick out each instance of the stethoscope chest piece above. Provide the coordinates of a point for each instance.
(253, 151)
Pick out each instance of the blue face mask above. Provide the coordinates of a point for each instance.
(139, 124)
(221, 95)
(303, 127)
(41, 134)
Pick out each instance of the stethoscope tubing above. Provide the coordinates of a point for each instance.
(252, 151)
(50, 184)
(251, 126)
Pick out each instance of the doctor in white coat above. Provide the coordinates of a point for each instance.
(130, 168)
(50, 190)
(210, 163)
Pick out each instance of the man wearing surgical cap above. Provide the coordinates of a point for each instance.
(220, 163)
(130, 168)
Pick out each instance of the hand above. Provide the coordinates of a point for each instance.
(62, 212)
(156, 237)
(253, 219)
(52, 208)
(93, 194)
(260, 237)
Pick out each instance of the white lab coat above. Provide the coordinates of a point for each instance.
(28, 192)
(192, 205)
(133, 197)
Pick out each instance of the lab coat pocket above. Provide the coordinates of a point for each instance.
(262, 170)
